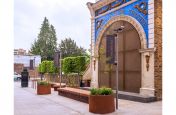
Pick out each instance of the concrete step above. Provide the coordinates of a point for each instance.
(131, 96)
(136, 97)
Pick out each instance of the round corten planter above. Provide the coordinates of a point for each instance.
(101, 104)
(43, 89)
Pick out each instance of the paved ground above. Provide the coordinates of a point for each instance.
(28, 103)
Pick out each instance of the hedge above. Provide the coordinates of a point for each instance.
(69, 65)
(74, 64)
(47, 67)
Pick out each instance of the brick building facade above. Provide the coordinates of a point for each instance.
(18, 68)
(158, 45)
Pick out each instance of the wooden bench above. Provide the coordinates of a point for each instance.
(52, 84)
(73, 93)
(57, 85)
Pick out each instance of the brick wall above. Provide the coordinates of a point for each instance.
(18, 68)
(71, 81)
(158, 45)
(33, 73)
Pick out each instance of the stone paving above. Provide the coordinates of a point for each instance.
(28, 103)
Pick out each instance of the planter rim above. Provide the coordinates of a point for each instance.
(43, 85)
(102, 95)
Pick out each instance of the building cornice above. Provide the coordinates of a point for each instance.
(95, 6)
(117, 8)
(92, 12)
(147, 50)
(101, 3)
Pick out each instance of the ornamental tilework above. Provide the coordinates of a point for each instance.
(137, 10)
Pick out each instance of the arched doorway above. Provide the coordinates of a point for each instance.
(129, 66)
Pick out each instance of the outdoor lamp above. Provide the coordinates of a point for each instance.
(118, 30)
(147, 57)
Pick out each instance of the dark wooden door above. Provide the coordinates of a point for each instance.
(129, 65)
(129, 69)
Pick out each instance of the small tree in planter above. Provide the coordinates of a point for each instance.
(50, 69)
(47, 68)
(42, 69)
(101, 100)
(43, 87)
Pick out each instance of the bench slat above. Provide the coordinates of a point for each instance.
(73, 93)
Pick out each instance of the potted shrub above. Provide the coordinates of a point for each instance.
(43, 87)
(42, 70)
(48, 71)
(101, 100)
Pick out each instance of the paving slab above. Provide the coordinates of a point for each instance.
(27, 102)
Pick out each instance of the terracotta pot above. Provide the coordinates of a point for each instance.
(101, 104)
(43, 89)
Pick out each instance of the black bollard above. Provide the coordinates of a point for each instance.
(24, 78)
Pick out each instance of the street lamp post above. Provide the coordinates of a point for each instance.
(116, 41)
(60, 67)
(58, 63)
(34, 67)
(118, 30)
(34, 83)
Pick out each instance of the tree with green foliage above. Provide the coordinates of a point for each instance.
(80, 64)
(69, 48)
(47, 67)
(74, 64)
(46, 44)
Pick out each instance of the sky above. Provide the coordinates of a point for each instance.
(71, 18)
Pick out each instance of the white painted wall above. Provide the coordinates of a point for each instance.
(26, 60)
(148, 76)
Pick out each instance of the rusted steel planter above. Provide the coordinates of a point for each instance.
(43, 89)
(101, 104)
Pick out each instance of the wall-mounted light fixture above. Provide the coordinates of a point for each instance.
(147, 57)
(120, 29)
(94, 64)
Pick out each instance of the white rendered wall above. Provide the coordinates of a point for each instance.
(26, 60)
(148, 76)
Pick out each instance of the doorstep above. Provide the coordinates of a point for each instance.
(131, 96)
(135, 97)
